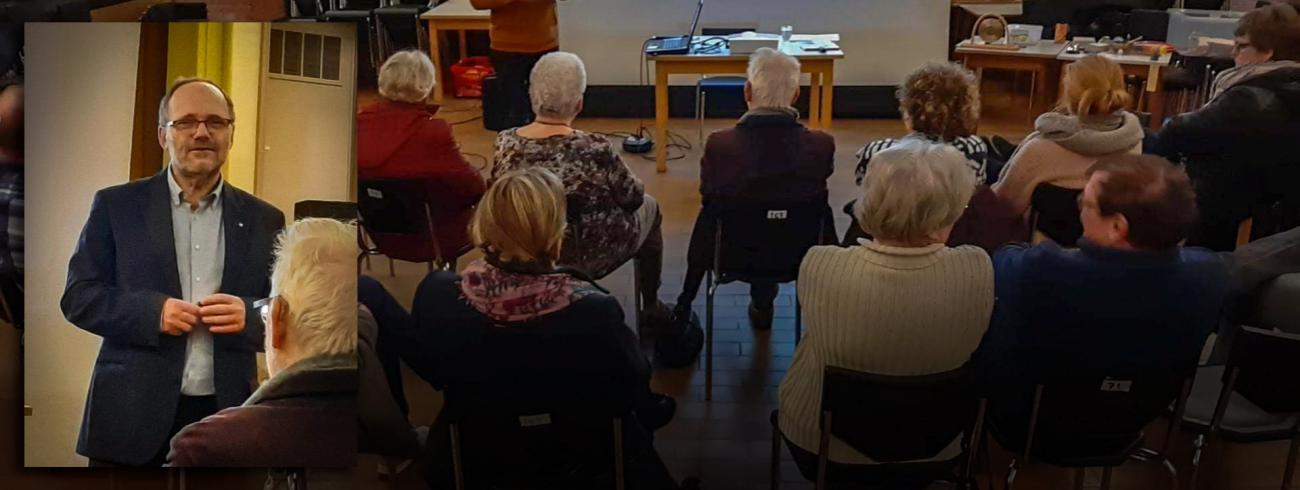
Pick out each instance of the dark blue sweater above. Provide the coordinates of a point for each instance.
(1098, 309)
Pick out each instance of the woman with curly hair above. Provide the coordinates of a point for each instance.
(940, 105)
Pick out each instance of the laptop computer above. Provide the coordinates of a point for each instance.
(677, 44)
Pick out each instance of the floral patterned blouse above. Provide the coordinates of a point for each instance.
(603, 195)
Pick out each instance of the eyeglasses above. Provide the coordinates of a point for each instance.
(263, 308)
(214, 125)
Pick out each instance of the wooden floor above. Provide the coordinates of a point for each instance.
(727, 442)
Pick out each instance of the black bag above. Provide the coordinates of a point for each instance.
(496, 105)
(682, 348)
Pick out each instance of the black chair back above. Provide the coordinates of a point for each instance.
(898, 418)
(306, 8)
(1055, 212)
(766, 241)
(1265, 363)
(398, 210)
(340, 210)
(533, 419)
(1091, 419)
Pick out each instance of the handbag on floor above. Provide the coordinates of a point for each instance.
(682, 348)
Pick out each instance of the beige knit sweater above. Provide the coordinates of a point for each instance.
(884, 310)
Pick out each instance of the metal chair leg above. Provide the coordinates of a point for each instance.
(1079, 474)
(639, 305)
(699, 114)
(775, 475)
(1198, 450)
(708, 335)
(391, 271)
(1105, 477)
(798, 319)
(1291, 461)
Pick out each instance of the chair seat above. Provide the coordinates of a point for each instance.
(1277, 305)
(724, 82)
(401, 10)
(346, 14)
(1243, 422)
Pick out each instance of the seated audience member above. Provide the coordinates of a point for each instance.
(611, 218)
(1090, 123)
(940, 104)
(513, 333)
(398, 137)
(1130, 298)
(902, 303)
(305, 415)
(1239, 149)
(767, 157)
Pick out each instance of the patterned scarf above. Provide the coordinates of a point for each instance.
(510, 296)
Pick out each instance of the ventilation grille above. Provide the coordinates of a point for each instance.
(305, 56)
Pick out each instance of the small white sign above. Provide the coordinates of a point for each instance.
(777, 214)
(1118, 385)
(375, 193)
(535, 420)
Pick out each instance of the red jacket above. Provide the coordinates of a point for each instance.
(396, 139)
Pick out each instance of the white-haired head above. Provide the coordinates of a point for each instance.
(314, 293)
(556, 86)
(914, 192)
(407, 76)
(773, 79)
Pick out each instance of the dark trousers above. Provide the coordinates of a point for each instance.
(396, 334)
(189, 410)
(650, 264)
(512, 72)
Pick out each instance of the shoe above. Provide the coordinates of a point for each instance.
(655, 320)
(761, 318)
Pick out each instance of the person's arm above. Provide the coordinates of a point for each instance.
(94, 302)
(626, 187)
(1234, 113)
(1016, 185)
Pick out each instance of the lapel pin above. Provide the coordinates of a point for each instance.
(241, 224)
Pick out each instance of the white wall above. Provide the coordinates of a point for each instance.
(80, 106)
(883, 39)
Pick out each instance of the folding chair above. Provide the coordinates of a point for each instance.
(759, 243)
(1054, 212)
(397, 215)
(894, 420)
(1254, 397)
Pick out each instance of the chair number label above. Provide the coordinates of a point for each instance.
(375, 193)
(777, 214)
(534, 420)
(1116, 385)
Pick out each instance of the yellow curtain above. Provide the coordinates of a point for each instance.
(230, 55)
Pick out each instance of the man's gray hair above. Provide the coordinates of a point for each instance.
(556, 85)
(773, 78)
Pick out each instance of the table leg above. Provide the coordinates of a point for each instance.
(661, 120)
(464, 49)
(434, 53)
(814, 99)
(828, 98)
(1155, 97)
(1035, 100)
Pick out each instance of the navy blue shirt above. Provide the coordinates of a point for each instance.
(1097, 309)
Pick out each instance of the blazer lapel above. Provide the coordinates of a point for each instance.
(162, 238)
(237, 226)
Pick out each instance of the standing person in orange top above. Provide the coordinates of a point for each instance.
(522, 32)
(399, 137)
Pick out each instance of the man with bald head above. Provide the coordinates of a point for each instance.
(166, 271)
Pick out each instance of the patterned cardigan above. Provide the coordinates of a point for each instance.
(603, 194)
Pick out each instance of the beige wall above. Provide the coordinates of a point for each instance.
(80, 105)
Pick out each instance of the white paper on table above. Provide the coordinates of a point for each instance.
(834, 38)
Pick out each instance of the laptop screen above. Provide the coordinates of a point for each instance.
(695, 23)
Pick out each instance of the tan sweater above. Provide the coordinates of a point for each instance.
(884, 310)
(522, 26)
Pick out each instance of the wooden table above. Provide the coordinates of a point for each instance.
(1148, 70)
(820, 67)
(455, 15)
(1039, 59)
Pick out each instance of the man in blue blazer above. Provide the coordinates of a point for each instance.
(166, 271)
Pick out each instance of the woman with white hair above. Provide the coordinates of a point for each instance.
(611, 218)
(399, 137)
(900, 304)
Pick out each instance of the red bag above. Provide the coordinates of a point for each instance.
(467, 76)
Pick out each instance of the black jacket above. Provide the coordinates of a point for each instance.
(122, 271)
(1240, 151)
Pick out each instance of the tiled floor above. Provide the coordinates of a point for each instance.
(727, 441)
